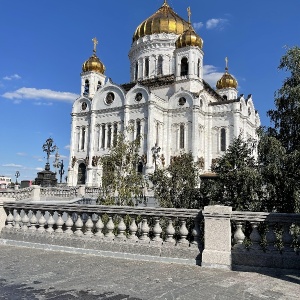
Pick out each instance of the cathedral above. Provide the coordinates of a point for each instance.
(167, 102)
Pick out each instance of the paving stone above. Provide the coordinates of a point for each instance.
(27, 273)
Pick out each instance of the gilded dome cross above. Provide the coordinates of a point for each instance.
(95, 41)
(189, 14)
(226, 62)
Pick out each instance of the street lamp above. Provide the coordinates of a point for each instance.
(61, 170)
(155, 153)
(17, 176)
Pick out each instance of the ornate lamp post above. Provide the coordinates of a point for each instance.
(56, 163)
(17, 176)
(155, 153)
(49, 148)
(61, 170)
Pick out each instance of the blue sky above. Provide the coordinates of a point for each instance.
(43, 44)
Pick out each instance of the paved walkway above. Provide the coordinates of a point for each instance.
(34, 274)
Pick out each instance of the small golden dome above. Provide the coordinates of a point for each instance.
(227, 80)
(189, 38)
(93, 64)
(164, 20)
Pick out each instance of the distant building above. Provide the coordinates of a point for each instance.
(4, 182)
(167, 102)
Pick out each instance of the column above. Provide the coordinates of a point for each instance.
(150, 140)
(90, 132)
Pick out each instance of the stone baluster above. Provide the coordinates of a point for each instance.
(133, 230)
(239, 237)
(99, 227)
(121, 229)
(89, 226)
(42, 222)
(17, 219)
(196, 232)
(110, 226)
(255, 237)
(183, 233)
(25, 220)
(50, 222)
(145, 231)
(33, 221)
(59, 223)
(157, 230)
(69, 224)
(271, 237)
(78, 225)
(287, 238)
(9, 219)
(170, 231)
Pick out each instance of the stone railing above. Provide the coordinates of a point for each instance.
(53, 193)
(147, 233)
(18, 194)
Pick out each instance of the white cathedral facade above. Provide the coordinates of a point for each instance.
(167, 102)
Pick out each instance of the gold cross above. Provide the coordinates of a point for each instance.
(95, 41)
(226, 61)
(189, 14)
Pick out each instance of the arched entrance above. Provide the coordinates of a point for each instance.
(81, 173)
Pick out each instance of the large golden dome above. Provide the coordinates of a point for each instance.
(227, 80)
(189, 38)
(164, 20)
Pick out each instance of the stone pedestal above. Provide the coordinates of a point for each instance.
(217, 237)
(46, 178)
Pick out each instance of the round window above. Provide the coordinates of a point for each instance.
(138, 97)
(83, 106)
(110, 97)
(182, 101)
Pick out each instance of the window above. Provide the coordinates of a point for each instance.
(109, 136)
(86, 88)
(223, 139)
(181, 136)
(102, 136)
(147, 67)
(98, 85)
(82, 138)
(136, 71)
(181, 101)
(138, 128)
(184, 67)
(198, 68)
(160, 65)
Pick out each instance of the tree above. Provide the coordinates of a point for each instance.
(177, 185)
(121, 182)
(286, 115)
(239, 180)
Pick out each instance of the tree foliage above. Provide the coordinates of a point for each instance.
(177, 185)
(121, 182)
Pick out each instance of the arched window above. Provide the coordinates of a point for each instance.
(136, 71)
(181, 136)
(103, 136)
(81, 174)
(82, 138)
(160, 65)
(147, 67)
(98, 85)
(86, 87)
(184, 67)
(198, 68)
(138, 128)
(223, 139)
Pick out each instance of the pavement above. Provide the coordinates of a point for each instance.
(27, 273)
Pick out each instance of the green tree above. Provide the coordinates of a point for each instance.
(121, 182)
(177, 185)
(239, 180)
(286, 115)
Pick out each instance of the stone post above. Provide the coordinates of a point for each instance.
(36, 193)
(2, 216)
(217, 237)
(81, 190)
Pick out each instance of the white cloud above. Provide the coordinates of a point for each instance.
(15, 76)
(211, 75)
(22, 154)
(33, 93)
(198, 25)
(12, 166)
(216, 23)
(67, 147)
(39, 169)
(43, 103)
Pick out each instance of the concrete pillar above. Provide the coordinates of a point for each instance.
(36, 193)
(81, 191)
(2, 216)
(217, 237)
